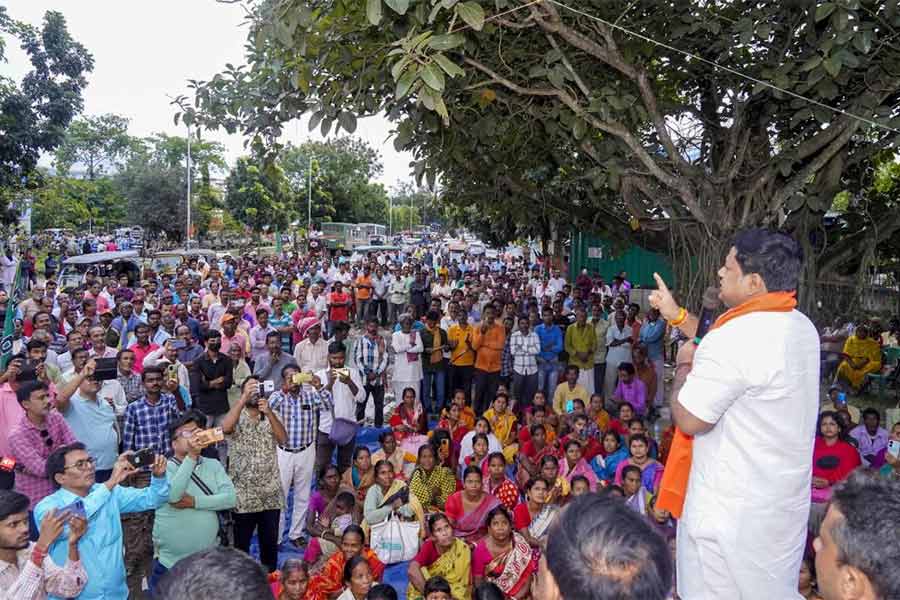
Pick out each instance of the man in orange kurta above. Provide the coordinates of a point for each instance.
(488, 342)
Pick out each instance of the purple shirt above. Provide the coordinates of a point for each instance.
(635, 393)
(31, 449)
(869, 444)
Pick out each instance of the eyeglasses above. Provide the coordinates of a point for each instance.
(82, 464)
(47, 439)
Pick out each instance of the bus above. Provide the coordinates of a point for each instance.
(343, 236)
(376, 234)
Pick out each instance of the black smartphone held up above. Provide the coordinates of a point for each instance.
(142, 458)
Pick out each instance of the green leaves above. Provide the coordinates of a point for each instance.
(373, 11)
(398, 6)
(824, 10)
(812, 63)
(449, 67)
(347, 121)
(472, 14)
(405, 82)
(433, 77)
(832, 65)
(446, 42)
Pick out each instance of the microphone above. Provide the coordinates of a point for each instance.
(708, 312)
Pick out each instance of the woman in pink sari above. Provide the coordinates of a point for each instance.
(468, 508)
(573, 464)
(409, 423)
(503, 557)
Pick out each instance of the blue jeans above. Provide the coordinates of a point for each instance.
(439, 378)
(156, 573)
(548, 377)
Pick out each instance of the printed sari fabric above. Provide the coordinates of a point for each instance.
(432, 489)
(469, 526)
(581, 468)
(856, 349)
(511, 571)
(454, 565)
(330, 580)
(507, 492)
(358, 481)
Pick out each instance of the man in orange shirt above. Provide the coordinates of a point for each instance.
(487, 341)
(363, 287)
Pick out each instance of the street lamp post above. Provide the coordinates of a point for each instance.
(309, 198)
(390, 217)
(187, 236)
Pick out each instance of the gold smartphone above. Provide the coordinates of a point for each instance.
(208, 437)
(301, 378)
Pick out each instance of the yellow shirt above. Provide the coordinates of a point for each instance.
(463, 355)
(563, 394)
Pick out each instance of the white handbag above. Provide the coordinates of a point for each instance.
(395, 540)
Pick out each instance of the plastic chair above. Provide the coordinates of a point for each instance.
(891, 358)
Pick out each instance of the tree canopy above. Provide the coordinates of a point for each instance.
(680, 122)
(98, 144)
(34, 114)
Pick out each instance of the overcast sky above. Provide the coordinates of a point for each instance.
(144, 53)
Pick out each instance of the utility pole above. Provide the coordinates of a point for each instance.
(309, 199)
(390, 217)
(187, 237)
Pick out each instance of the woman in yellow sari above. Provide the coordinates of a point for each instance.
(431, 482)
(503, 424)
(862, 355)
(442, 555)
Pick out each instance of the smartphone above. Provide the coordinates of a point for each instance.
(301, 378)
(268, 387)
(172, 372)
(841, 398)
(142, 458)
(208, 437)
(570, 405)
(75, 509)
(342, 372)
(893, 448)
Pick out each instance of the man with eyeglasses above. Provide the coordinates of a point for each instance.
(71, 470)
(40, 431)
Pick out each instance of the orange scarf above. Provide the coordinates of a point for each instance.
(673, 487)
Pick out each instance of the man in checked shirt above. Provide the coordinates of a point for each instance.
(146, 426)
(298, 406)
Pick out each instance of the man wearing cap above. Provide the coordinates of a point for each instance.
(311, 354)
(231, 335)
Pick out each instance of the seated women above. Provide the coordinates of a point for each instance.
(538, 417)
(606, 463)
(597, 413)
(441, 555)
(573, 464)
(638, 456)
(357, 579)
(887, 462)
(540, 401)
(451, 420)
(468, 507)
(409, 422)
(482, 425)
(431, 483)
(559, 485)
(377, 510)
(326, 530)
(533, 517)
(394, 454)
(329, 582)
(532, 453)
(620, 424)
(290, 582)
(503, 557)
(834, 458)
(479, 454)
(862, 355)
(466, 414)
(361, 475)
(661, 520)
(497, 484)
(637, 498)
(322, 512)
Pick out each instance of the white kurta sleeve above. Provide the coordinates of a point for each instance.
(715, 381)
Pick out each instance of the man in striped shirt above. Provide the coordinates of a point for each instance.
(298, 407)
(371, 359)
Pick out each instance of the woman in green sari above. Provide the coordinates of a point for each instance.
(441, 555)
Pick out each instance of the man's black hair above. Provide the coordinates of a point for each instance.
(866, 536)
(871, 411)
(345, 499)
(149, 370)
(273, 334)
(189, 416)
(35, 344)
(776, 257)
(213, 333)
(288, 367)
(599, 549)
(336, 348)
(488, 591)
(627, 367)
(205, 574)
(27, 388)
(382, 591)
(56, 462)
(12, 503)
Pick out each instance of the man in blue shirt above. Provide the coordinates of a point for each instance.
(71, 469)
(551, 338)
(652, 333)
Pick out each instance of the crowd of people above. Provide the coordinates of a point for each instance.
(146, 423)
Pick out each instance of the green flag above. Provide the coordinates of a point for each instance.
(15, 295)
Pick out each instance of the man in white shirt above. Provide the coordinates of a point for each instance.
(749, 396)
(347, 391)
(311, 354)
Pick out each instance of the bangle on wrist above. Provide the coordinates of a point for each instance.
(680, 319)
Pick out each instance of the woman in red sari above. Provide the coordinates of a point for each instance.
(532, 453)
(497, 484)
(450, 420)
(329, 582)
(409, 423)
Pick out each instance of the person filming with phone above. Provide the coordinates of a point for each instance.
(748, 394)
(26, 572)
(71, 469)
